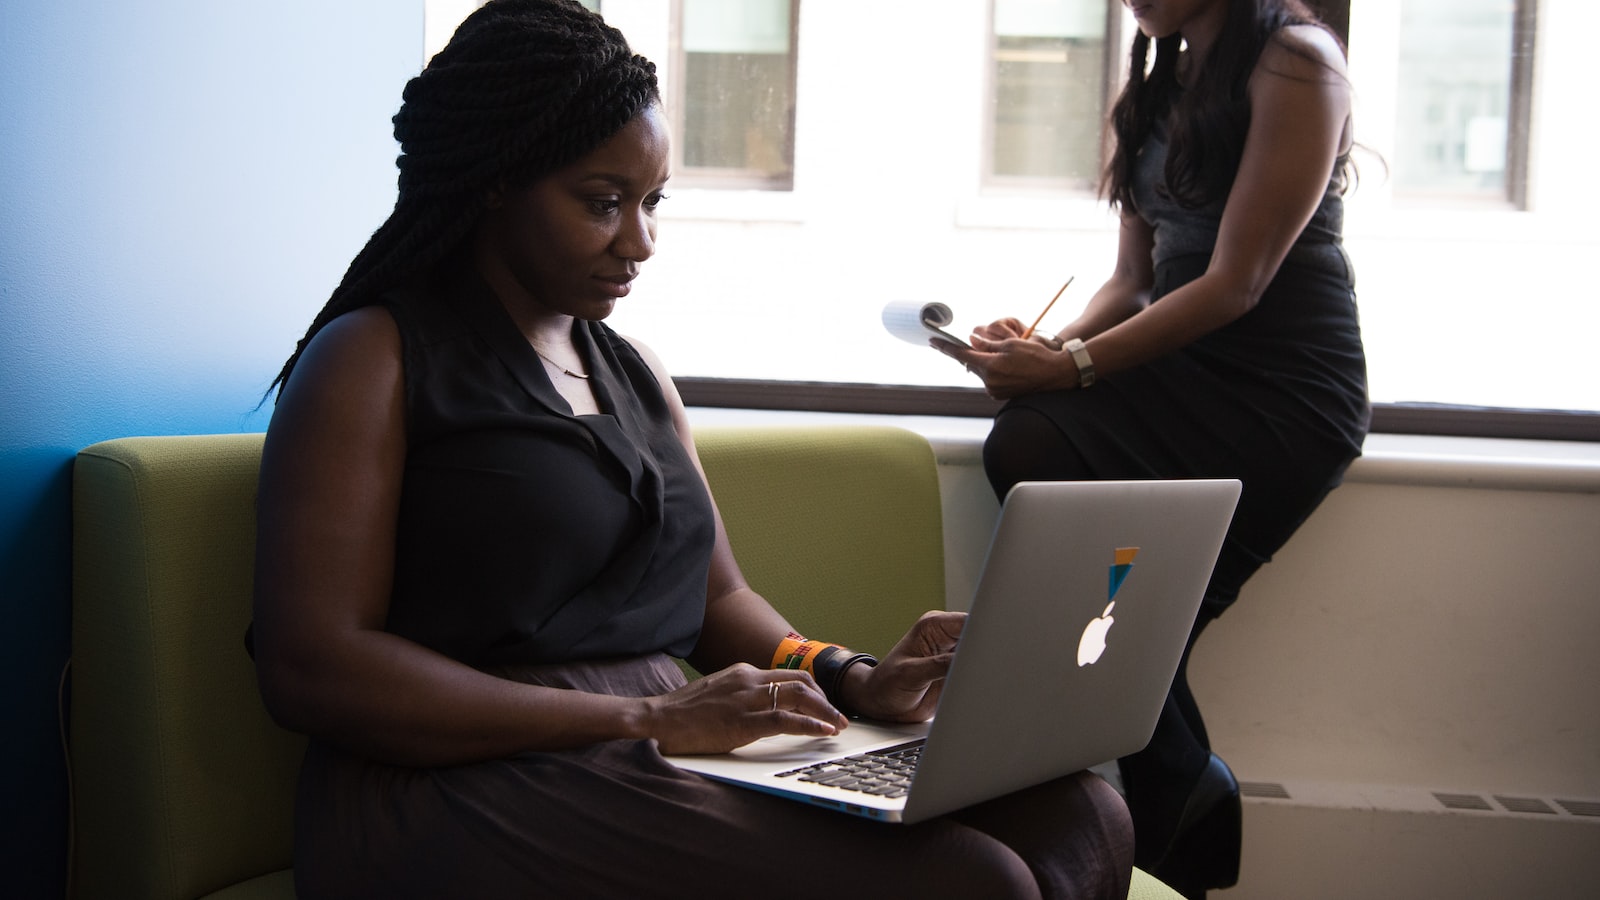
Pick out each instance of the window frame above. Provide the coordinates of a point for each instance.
(915, 400)
(1111, 63)
(1519, 114)
(1519, 134)
(726, 179)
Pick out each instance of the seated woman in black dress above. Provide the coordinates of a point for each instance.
(1224, 344)
(484, 538)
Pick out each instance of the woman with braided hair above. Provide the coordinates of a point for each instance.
(483, 538)
(1226, 342)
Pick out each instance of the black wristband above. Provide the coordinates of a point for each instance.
(825, 668)
(829, 669)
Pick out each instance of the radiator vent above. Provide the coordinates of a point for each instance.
(1581, 807)
(1263, 789)
(1463, 801)
(1355, 796)
(1525, 805)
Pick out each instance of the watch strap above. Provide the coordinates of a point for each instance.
(1080, 358)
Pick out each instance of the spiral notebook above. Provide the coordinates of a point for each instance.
(1075, 629)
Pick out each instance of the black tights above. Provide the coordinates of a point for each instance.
(1157, 779)
(1030, 448)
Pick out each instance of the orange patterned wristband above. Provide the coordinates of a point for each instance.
(796, 652)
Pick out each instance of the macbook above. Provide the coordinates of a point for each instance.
(1075, 629)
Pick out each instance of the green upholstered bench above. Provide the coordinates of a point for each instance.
(183, 786)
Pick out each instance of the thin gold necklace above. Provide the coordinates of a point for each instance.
(563, 369)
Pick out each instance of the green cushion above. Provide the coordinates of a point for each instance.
(838, 527)
(182, 783)
(1148, 887)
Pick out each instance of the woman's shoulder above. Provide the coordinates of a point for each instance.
(356, 349)
(658, 370)
(646, 355)
(627, 347)
(365, 329)
(345, 393)
(1303, 51)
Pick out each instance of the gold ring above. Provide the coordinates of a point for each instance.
(772, 689)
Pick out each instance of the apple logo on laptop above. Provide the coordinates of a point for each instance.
(1093, 642)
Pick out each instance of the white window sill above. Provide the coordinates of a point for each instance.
(1484, 463)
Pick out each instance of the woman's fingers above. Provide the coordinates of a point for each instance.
(738, 705)
(795, 693)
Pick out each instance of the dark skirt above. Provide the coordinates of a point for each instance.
(617, 820)
(1276, 399)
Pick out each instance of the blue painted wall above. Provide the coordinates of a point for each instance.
(182, 182)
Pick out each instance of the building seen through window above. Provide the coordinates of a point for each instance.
(737, 92)
(1050, 87)
(1460, 120)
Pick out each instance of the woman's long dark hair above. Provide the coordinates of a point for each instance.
(1210, 117)
(523, 88)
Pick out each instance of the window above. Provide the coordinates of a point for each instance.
(1465, 69)
(1052, 77)
(736, 97)
(890, 124)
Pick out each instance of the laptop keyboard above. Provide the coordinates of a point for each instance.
(883, 773)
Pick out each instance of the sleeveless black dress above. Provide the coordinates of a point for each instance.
(572, 551)
(1276, 398)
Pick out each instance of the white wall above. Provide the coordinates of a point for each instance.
(1431, 629)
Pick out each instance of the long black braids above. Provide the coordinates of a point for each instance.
(1210, 115)
(523, 88)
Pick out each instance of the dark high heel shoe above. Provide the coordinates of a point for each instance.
(1204, 850)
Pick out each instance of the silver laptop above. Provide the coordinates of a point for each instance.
(1075, 630)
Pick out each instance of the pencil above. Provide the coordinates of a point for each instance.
(1029, 333)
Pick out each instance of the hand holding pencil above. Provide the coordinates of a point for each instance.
(1029, 333)
(1008, 368)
